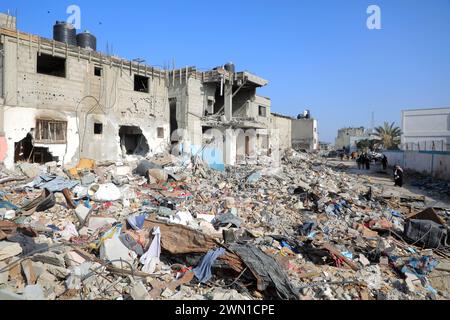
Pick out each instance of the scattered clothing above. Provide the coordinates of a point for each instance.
(27, 244)
(151, 257)
(225, 219)
(136, 221)
(203, 270)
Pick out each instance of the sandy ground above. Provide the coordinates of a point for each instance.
(385, 181)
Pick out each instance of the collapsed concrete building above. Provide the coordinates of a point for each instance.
(220, 104)
(61, 102)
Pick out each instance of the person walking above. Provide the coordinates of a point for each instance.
(384, 162)
(398, 176)
(359, 161)
(367, 159)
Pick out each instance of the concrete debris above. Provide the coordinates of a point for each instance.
(9, 249)
(309, 229)
(34, 292)
(139, 292)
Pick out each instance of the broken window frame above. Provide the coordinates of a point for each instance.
(160, 132)
(260, 113)
(99, 73)
(51, 137)
(98, 128)
(143, 88)
(57, 60)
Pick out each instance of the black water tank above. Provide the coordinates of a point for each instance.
(87, 40)
(65, 32)
(230, 67)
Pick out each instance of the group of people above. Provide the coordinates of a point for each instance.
(363, 160)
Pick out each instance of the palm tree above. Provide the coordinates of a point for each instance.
(388, 135)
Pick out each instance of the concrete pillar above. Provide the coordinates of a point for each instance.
(230, 147)
(228, 101)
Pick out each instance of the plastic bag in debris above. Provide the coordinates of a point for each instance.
(419, 267)
(182, 217)
(80, 192)
(225, 219)
(104, 192)
(269, 274)
(307, 228)
(426, 232)
(144, 166)
(254, 177)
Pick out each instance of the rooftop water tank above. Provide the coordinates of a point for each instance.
(87, 40)
(230, 67)
(65, 32)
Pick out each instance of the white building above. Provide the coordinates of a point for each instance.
(426, 129)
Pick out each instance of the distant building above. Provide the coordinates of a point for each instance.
(325, 146)
(426, 129)
(347, 135)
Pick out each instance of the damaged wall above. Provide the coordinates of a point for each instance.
(190, 97)
(304, 134)
(282, 126)
(108, 99)
(19, 121)
(242, 102)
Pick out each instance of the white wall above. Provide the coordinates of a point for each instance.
(437, 163)
(426, 125)
(284, 130)
(304, 131)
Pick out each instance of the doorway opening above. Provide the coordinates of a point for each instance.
(132, 141)
(173, 120)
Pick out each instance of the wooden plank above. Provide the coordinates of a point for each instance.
(337, 253)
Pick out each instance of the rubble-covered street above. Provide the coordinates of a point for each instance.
(172, 228)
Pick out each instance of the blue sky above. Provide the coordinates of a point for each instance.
(317, 54)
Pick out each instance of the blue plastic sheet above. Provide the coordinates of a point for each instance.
(7, 205)
(420, 267)
(52, 183)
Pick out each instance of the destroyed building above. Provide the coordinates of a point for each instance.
(220, 103)
(61, 102)
(343, 139)
(304, 134)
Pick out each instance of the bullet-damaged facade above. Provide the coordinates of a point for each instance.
(219, 103)
(61, 103)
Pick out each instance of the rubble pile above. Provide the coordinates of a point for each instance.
(173, 228)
